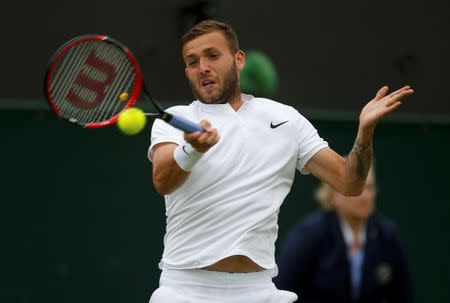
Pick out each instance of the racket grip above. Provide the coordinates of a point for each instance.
(185, 125)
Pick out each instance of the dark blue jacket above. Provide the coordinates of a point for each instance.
(313, 263)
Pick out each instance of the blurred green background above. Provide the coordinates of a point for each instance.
(81, 221)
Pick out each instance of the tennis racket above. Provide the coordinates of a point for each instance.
(91, 79)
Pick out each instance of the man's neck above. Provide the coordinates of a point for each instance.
(236, 101)
(236, 105)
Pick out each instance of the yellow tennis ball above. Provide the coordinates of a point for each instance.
(131, 121)
(123, 96)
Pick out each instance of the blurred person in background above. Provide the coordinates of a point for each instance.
(345, 253)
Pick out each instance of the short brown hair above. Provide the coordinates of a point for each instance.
(209, 26)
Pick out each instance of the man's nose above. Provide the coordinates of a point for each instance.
(203, 65)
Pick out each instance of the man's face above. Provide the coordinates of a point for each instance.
(212, 70)
(359, 207)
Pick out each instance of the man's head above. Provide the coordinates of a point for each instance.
(353, 208)
(213, 61)
(209, 26)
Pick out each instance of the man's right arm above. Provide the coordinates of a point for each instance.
(169, 170)
(167, 175)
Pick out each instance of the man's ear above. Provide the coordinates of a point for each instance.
(239, 58)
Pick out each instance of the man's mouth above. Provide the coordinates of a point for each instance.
(207, 83)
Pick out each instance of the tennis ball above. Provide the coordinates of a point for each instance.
(259, 76)
(131, 121)
(123, 96)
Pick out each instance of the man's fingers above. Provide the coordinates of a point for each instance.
(206, 125)
(195, 135)
(213, 139)
(207, 137)
(399, 95)
(203, 141)
(394, 106)
(381, 92)
(400, 91)
(189, 137)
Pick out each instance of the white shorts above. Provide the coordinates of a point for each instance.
(204, 286)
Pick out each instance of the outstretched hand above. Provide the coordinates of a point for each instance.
(381, 106)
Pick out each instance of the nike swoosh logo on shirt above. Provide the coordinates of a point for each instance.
(276, 125)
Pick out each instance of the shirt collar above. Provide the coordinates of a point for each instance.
(220, 107)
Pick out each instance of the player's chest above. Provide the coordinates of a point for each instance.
(258, 136)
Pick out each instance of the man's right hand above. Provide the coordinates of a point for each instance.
(202, 142)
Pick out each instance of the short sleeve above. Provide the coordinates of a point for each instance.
(309, 143)
(164, 132)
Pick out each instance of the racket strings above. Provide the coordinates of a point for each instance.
(90, 115)
(125, 80)
(72, 110)
(102, 112)
(109, 73)
(63, 78)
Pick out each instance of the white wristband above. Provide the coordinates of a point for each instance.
(186, 156)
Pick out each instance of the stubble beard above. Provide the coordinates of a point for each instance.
(230, 89)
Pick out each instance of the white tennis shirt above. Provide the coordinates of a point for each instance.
(230, 202)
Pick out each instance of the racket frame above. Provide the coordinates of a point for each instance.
(62, 50)
(139, 87)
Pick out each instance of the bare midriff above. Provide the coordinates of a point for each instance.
(236, 263)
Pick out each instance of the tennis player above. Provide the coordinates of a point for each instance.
(223, 188)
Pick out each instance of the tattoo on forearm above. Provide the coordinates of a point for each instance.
(362, 155)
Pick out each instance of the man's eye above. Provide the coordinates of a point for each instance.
(192, 63)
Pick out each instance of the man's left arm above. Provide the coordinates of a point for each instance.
(349, 175)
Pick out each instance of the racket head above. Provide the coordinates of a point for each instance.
(86, 77)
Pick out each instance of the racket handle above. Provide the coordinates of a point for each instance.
(185, 125)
